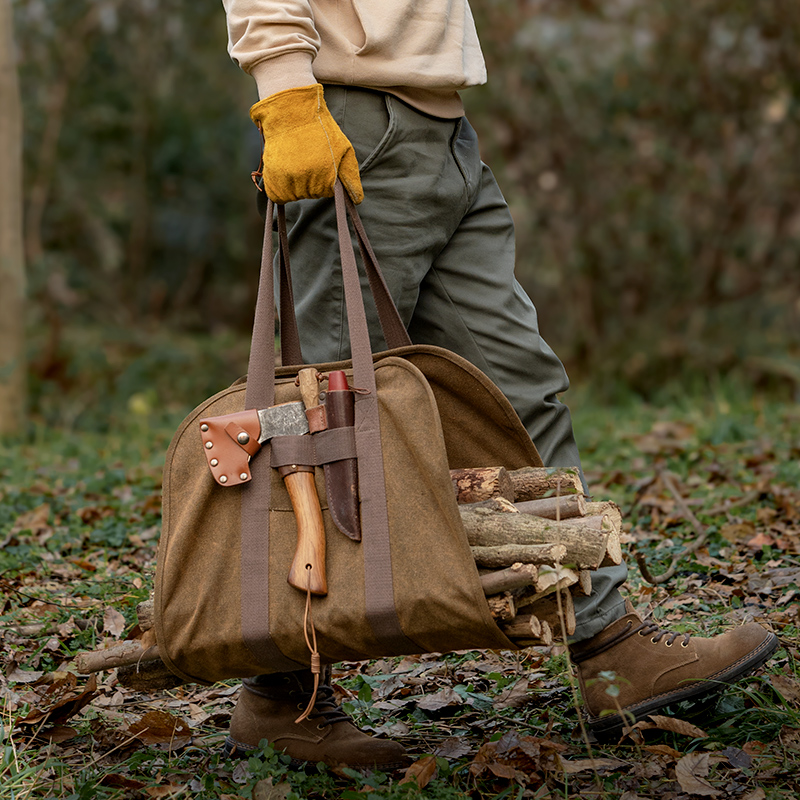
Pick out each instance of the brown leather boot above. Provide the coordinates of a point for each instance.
(268, 707)
(654, 668)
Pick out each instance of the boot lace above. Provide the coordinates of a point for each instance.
(324, 710)
(644, 629)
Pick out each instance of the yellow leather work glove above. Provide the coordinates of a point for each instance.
(304, 148)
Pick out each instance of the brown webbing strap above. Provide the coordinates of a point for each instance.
(394, 331)
(255, 497)
(290, 338)
(380, 606)
(324, 447)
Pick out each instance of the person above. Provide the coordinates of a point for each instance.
(369, 92)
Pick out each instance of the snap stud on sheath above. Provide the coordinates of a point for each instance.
(223, 478)
(243, 437)
(209, 445)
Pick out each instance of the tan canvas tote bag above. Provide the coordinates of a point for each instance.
(223, 607)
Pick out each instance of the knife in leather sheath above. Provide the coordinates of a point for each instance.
(341, 477)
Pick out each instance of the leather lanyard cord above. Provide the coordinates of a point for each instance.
(308, 622)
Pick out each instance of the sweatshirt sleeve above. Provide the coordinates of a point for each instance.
(274, 41)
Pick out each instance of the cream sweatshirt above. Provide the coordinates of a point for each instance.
(423, 51)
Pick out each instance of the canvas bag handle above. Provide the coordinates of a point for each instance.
(260, 393)
(394, 331)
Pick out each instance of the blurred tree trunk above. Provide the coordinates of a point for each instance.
(12, 267)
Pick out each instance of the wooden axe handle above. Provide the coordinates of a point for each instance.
(309, 558)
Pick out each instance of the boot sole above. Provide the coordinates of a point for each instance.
(234, 749)
(611, 727)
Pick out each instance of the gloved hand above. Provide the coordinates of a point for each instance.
(304, 148)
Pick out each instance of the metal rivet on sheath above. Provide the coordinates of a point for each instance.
(243, 476)
(213, 462)
(209, 445)
(243, 437)
(204, 427)
(223, 478)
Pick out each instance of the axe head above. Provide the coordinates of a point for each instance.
(286, 419)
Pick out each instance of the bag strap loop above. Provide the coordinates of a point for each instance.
(380, 608)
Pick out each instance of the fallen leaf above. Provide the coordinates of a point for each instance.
(675, 725)
(170, 790)
(513, 696)
(113, 622)
(757, 794)
(691, 773)
(453, 747)
(422, 772)
(441, 699)
(737, 531)
(738, 758)
(264, 790)
(591, 764)
(664, 750)
(787, 687)
(161, 728)
(60, 702)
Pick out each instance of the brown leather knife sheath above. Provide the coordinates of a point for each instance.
(341, 477)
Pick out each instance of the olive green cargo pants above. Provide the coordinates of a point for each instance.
(444, 239)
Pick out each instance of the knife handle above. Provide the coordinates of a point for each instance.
(309, 557)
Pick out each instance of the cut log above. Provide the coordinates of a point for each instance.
(531, 483)
(502, 606)
(608, 509)
(551, 579)
(584, 584)
(585, 547)
(562, 507)
(547, 610)
(523, 626)
(613, 550)
(150, 676)
(514, 577)
(135, 651)
(506, 555)
(481, 483)
(596, 522)
(145, 613)
(499, 504)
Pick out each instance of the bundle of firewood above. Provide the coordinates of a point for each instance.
(535, 540)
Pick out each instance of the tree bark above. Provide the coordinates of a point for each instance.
(12, 263)
(498, 504)
(531, 483)
(514, 577)
(149, 676)
(564, 507)
(476, 484)
(585, 547)
(124, 654)
(506, 555)
(502, 606)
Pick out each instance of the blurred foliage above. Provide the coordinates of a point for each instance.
(647, 149)
(649, 153)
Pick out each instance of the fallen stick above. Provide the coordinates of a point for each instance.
(514, 577)
(121, 655)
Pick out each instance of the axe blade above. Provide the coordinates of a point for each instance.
(286, 419)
